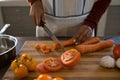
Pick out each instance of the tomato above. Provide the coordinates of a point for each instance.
(40, 67)
(31, 64)
(44, 77)
(116, 51)
(25, 56)
(52, 64)
(70, 57)
(14, 64)
(58, 78)
(21, 71)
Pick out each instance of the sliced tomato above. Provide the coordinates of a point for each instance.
(40, 67)
(52, 64)
(70, 57)
(116, 51)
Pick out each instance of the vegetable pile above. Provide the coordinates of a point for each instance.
(23, 65)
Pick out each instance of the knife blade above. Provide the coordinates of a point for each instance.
(52, 36)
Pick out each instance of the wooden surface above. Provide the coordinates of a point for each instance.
(87, 69)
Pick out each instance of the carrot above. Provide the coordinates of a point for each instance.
(45, 49)
(37, 46)
(55, 46)
(92, 41)
(95, 47)
(65, 43)
(68, 42)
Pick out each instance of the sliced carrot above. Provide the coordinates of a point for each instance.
(65, 43)
(55, 46)
(92, 41)
(95, 47)
(43, 46)
(37, 47)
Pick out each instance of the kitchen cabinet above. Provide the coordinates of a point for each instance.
(21, 22)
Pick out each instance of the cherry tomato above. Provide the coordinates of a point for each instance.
(70, 57)
(25, 56)
(14, 64)
(44, 77)
(31, 64)
(116, 51)
(21, 71)
(52, 64)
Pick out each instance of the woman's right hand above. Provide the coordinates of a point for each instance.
(37, 12)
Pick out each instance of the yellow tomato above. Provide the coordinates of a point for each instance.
(14, 64)
(44, 77)
(58, 78)
(21, 71)
(25, 56)
(31, 64)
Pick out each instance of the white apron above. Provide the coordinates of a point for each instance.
(63, 17)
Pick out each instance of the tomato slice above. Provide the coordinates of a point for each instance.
(52, 64)
(70, 57)
(40, 67)
(116, 51)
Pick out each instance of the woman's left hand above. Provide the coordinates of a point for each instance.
(84, 33)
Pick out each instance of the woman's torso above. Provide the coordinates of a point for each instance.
(63, 17)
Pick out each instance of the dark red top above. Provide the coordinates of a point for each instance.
(95, 14)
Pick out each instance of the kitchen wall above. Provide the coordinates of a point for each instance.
(16, 12)
(109, 24)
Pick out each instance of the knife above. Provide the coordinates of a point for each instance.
(52, 36)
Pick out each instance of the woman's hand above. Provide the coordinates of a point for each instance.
(37, 12)
(84, 33)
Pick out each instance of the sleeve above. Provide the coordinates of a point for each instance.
(96, 12)
(31, 1)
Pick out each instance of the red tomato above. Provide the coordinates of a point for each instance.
(40, 67)
(52, 64)
(70, 57)
(116, 51)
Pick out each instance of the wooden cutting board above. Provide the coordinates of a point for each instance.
(87, 69)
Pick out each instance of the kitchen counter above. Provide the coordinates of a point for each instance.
(21, 41)
(88, 68)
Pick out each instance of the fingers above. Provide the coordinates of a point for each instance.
(82, 35)
(37, 19)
